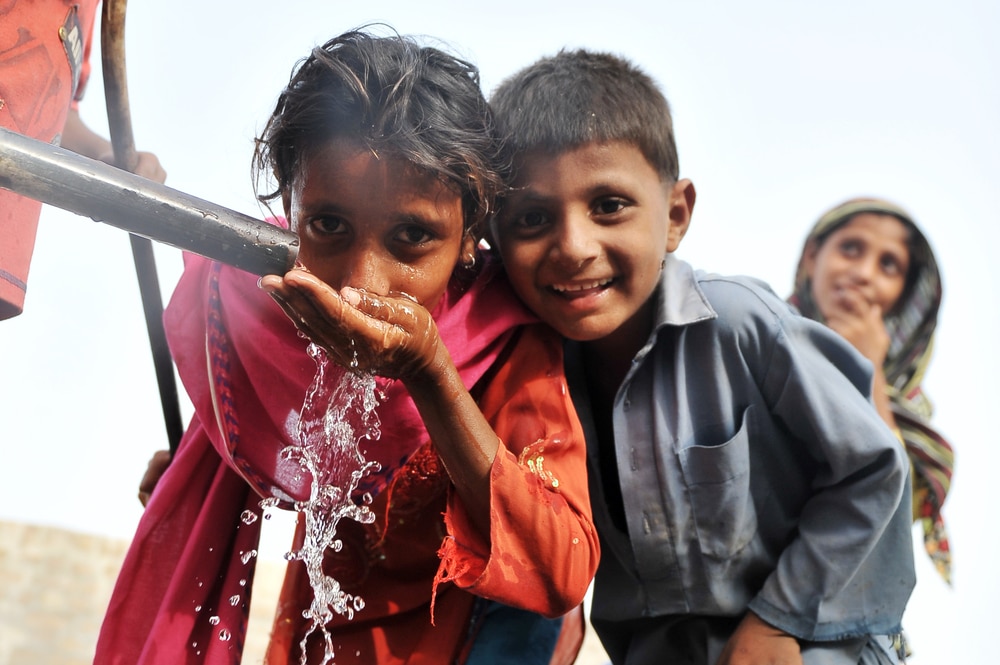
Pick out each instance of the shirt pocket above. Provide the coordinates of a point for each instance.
(718, 482)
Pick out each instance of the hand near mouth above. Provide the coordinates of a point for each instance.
(391, 335)
(860, 322)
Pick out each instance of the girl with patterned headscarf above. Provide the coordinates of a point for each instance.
(869, 273)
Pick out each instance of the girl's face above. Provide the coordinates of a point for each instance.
(377, 224)
(867, 258)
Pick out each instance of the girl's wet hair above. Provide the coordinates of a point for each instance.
(395, 98)
(579, 97)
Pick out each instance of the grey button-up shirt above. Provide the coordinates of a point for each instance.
(753, 470)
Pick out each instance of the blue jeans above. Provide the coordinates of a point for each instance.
(507, 635)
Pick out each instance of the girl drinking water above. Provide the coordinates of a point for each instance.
(384, 162)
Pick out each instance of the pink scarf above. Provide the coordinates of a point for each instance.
(183, 592)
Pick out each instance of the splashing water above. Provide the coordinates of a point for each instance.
(338, 412)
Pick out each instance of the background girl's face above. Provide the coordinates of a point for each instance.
(376, 223)
(866, 259)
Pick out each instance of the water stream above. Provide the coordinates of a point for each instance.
(338, 412)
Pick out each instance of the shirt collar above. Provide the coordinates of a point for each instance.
(679, 298)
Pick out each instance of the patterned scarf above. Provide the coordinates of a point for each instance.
(911, 332)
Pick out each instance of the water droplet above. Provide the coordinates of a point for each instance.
(359, 603)
(214, 620)
(290, 556)
(243, 582)
(234, 600)
(194, 644)
(246, 556)
(367, 499)
(267, 516)
(197, 608)
(248, 517)
(225, 635)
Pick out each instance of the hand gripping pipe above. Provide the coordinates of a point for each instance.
(66, 180)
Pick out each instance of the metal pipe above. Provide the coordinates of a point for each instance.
(66, 180)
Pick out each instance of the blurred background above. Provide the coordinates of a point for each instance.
(781, 110)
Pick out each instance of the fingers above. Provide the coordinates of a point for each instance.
(392, 336)
(149, 167)
(351, 337)
(400, 311)
(154, 470)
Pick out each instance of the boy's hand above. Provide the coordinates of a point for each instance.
(391, 336)
(860, 323)
(757, 643)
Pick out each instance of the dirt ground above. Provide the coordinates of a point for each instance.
(56, 583)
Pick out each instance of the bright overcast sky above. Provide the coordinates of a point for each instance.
(781, 110)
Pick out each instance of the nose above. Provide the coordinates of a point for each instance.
(576, 242)
(364, 269)
(863, 269)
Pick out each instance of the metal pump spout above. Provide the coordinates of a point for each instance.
(88, 187)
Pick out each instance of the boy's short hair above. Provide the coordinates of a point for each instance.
(396, 98)
(578, 97)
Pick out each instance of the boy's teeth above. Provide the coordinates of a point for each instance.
(568, 288)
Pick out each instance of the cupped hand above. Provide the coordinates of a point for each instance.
(860, 322)
(391, 335)
(755, 642)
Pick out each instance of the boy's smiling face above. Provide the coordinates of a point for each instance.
(583, 235)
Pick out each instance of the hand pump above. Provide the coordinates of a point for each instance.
(123, 143)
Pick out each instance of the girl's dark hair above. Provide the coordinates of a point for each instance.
(395, 98)
(578, 97)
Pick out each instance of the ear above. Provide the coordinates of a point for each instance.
(468, 248)
(682, 196)
(490, 232)
(807, 264)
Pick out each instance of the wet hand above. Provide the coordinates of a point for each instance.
(391, 335)
(755, 642)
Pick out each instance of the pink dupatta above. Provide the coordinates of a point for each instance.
(183, 592)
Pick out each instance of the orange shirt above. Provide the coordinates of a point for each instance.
(422, 555)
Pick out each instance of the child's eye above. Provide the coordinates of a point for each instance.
(413, 235)
(609, 206)
(328, 226)
(529, 220)
(892, 265)
(850, 248)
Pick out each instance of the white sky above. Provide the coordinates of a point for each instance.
(781, 110)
